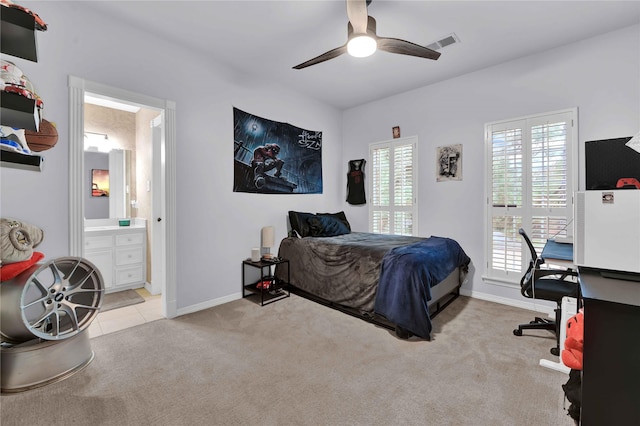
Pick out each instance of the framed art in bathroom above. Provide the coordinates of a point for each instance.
(99, 183)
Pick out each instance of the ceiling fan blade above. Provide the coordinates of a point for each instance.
(357, 13)
(403, 47)
(334, 53)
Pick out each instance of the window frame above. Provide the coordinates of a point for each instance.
(527, 211)
(393, 144)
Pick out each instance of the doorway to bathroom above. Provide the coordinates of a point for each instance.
(119, 147)
(142, 130)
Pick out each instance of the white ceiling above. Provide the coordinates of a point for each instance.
(267, 38)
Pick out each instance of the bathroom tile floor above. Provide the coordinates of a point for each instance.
(129, 316)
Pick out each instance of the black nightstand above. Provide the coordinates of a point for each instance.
(268, 286)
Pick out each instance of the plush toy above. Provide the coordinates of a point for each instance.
(17, 240)
(574, 342)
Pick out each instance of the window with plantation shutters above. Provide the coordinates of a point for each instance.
(531, 177)
(393, 206)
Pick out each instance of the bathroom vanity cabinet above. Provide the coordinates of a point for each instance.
(119, 253)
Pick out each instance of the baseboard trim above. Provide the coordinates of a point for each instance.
(208, 304)
(523, 304)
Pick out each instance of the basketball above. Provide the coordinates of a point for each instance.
(43, 139)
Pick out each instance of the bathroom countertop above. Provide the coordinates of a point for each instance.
(113, 228)
(111, 225)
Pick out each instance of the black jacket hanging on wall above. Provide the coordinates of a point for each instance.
(355, 182)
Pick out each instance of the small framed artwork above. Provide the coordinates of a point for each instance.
(396, 132)
(99, 183)
(449, 162)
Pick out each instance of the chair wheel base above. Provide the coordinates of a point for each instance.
(517, 332)
(555, 351)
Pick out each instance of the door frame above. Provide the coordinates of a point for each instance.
(77, 89)
(157, 188)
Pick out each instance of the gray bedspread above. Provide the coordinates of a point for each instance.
(343, 269)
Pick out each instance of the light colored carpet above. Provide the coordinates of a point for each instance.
(120, 299)
(295, 362)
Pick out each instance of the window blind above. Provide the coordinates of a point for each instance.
(529, 186)
(393, 206)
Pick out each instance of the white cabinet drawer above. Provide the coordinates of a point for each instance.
(129, 239)
(129, 275)
(100, 242)
(129, 256)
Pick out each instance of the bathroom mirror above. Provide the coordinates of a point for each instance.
(116, 203)
(110, 136)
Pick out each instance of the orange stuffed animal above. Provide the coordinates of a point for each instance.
(574, 342)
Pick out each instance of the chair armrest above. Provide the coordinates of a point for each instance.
(564, 273)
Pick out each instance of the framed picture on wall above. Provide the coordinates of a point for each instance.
(99, 183)
(449, 162)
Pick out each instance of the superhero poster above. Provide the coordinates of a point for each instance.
(271, 157)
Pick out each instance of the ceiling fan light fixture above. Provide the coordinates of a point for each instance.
(362, 46)
(363, 41)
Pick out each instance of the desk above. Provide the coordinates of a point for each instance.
(610, 374)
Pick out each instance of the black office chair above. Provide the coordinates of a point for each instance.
(546, 284)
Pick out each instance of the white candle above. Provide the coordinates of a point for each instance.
(255, 254)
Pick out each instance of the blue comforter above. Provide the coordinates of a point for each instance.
(406, 277)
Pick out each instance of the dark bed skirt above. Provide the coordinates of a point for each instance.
(376, 319)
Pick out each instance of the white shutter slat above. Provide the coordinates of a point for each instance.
(507, 168)
(403, 223)
(381, 176)
(381, 222)
(506, 243)
(403, 175)
(549, 170)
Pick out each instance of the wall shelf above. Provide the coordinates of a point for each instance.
(18, 32)
(21, 161)
(19, 112)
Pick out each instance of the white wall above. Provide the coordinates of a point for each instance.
(216, 228)
(600, 76)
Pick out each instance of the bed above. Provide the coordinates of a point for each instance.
(398, 282)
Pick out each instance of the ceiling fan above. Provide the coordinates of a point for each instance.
(363, 41)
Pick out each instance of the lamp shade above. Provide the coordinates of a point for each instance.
(268, 236)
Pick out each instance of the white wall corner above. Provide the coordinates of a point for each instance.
(539, 306)
(208, 304)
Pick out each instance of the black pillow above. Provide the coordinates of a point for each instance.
(299, 223)
(326, 226)
(340, 216)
